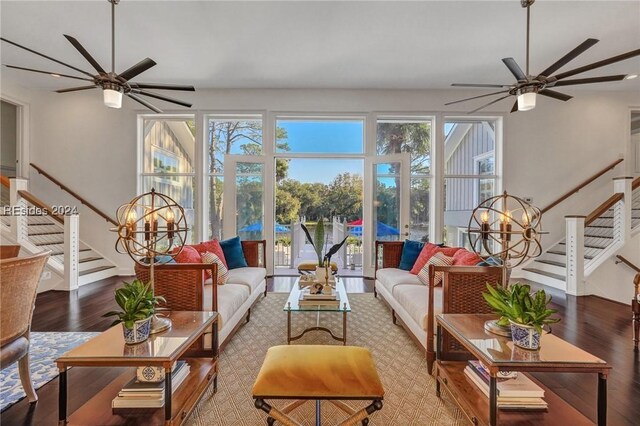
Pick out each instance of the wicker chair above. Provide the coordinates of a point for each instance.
(18, 287)
(461, 294)
(9, 251)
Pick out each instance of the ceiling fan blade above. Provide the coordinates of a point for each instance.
(515, 69)
(476, 97)
(162, 97)
(47, 57)
(161, 86)
(555, 95)
(51, 73)
(569, 56)
(145, 103)
(490, 103)
(479, 85)
(86, 54)
(598, 64)
(514, 108)
(75, 89)
(589, 80)
(137, 69)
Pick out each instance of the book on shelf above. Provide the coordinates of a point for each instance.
(518, 386)
(322, 296)
(508, 402)
(136, 394)
(315, 302)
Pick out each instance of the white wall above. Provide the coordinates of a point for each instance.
(546, 151)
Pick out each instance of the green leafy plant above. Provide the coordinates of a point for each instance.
(137, 302)
(318, 242)
(519, 305)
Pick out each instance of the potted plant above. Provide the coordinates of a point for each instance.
(138, 304)
(525, 312)
(324, 261)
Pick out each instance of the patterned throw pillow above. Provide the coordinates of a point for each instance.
(438, 259)
(223, 272)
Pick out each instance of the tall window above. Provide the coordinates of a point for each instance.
(470, 175)
(168, 160)
(413, 136)
(229, 135)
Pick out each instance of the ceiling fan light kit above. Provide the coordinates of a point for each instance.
(114, 86)
(527, 86)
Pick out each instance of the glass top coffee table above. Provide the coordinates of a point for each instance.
(292, 305)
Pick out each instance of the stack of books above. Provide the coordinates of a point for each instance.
(515, 390)
(308, 299)
(137, 394)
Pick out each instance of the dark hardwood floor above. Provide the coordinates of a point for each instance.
(597, 325)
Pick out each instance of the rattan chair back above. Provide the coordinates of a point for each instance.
(19, 279)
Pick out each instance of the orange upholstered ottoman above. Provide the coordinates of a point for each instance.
(318, 372)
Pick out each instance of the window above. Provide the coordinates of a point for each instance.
(227, 135)
(168, 160)
(470, 175)
(413, 136)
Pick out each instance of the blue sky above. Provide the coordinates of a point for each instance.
(323, 137)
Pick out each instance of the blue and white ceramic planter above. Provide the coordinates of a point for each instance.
(525, 336)
(139, 333)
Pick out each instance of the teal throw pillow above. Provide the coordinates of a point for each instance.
(410, 252)
(233, 254)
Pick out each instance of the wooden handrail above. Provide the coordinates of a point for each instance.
(636, 183)
(603, 208)
(4, 181)
(627, 262)
(40, 204)
(75, 195)
(581, 185)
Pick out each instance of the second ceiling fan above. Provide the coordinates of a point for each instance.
(528, 86)
(114, 85)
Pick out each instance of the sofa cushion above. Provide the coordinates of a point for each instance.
(230, 299)
(437, 259)
(414, 300)
(187, 255)
(465, 257)
(212, 246)
(223, 272)
(428, 251)
(410, 251)
(249, 276)
(233, 253)
(391, 277)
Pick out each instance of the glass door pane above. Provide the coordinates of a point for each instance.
(387, 201)
(244, 197)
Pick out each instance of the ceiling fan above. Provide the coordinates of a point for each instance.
(113, 85)
(527, 86)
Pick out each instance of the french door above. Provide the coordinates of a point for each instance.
(248, 200)
(386, 201)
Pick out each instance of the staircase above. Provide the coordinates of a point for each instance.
(602, 236)
(47, 232)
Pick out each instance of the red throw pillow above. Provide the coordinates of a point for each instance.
(466, 258)
(214, 247)
(428, 250)
(187, 255)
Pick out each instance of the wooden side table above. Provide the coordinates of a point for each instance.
(160, 350)
(498, 353)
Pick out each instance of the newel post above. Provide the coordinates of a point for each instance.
(575, 255)
(622, 211)
(19, 217)
(71, 251)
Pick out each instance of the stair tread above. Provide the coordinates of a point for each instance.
(561, 253)
(97, 269)
(552, 262)
(90, 259)
(598, 236)
(587, 246)
(545, 273)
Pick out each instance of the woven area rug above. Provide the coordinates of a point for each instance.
(43, 351)
(409, 389)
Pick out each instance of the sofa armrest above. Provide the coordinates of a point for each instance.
(181, 284)
(388, 254)
(255, 252)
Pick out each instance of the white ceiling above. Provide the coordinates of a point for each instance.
(383, 45)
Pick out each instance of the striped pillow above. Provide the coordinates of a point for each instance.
(223, 272)
(437, 259)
